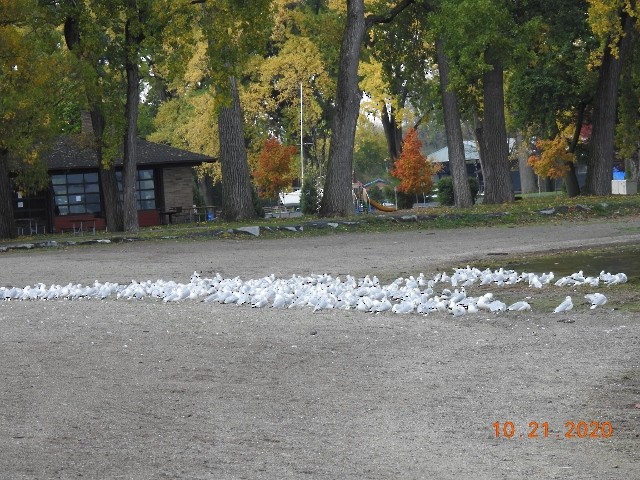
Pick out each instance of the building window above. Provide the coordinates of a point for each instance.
(145, 189)
(76, 193)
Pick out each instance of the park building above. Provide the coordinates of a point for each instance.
(164, 187)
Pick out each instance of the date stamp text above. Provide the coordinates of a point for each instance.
(572, 429)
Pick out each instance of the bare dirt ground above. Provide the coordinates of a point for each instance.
(149, 390)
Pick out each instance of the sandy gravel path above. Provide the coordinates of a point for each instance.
(148, 390)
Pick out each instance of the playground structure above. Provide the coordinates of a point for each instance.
(379, 206)
(363, 203)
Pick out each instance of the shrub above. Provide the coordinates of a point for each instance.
(445, 190)
(475, 188)
(309, 198)
(405, 200)
(257, 204)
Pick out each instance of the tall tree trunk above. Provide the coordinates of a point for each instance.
(477, 131)
(129, 159)
(632, 165)
(528, 178)
(337, 198)
(7, 223)
(236, 185)
(546, 184)
(392, 132)
(108, 182)
(571, 178)
(604, 117)
(453, 130)
(600, 166)
(571, 181)
(495, 155)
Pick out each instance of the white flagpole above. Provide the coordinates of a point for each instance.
(301, 143)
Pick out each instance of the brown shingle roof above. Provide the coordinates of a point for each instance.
(75, 152)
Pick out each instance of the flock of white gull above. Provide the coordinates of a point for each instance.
(441, 293)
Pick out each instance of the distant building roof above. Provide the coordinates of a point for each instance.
(442, 155)
(377, 180)
(74, 151)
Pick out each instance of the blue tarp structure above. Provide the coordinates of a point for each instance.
(617, 174)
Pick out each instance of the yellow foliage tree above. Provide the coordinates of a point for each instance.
(190, 122)
(554, 158)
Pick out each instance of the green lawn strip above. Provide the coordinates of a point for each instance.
(557, 208)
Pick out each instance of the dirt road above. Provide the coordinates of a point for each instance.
(149, 390)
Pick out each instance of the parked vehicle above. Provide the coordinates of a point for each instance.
(290, 199)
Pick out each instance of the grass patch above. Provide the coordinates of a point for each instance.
(524, 211)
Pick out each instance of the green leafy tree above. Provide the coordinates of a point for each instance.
(245, 28)
(396, 68)
(628, 129)
(336, 199)
(109, 38)
(409, 50)
(481, 37)
(370, 156)
(84, 37)
(309, 198)
(550, 90)
(615, 23)
(116, 43)
(33, 77)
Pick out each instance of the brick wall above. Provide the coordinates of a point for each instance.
(178, 187)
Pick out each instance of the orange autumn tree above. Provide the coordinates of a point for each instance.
(412, 168)
(273, 171)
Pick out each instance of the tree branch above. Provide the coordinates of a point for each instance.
(578, 127)
(389, 16)
(419, 121)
